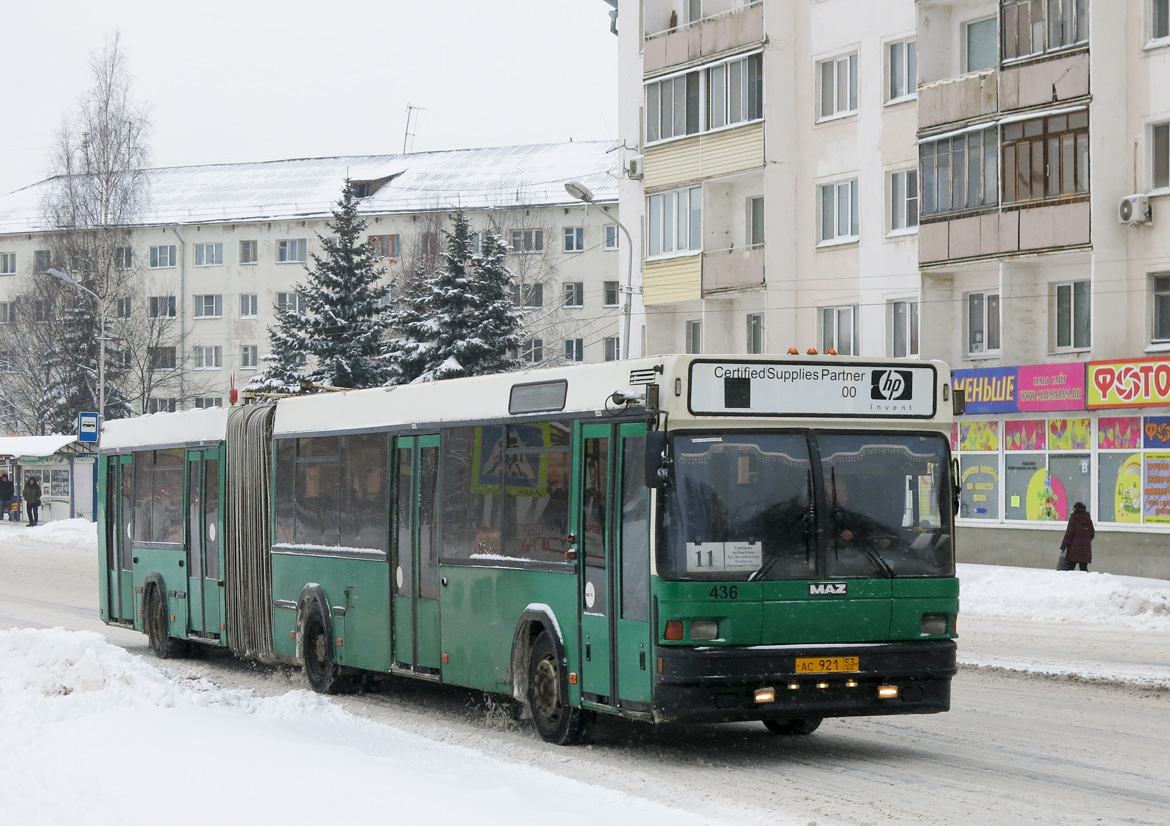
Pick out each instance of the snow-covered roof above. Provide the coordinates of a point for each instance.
(38, 446)
(496, 177)
(190, 427)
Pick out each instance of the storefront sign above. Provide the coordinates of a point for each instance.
(1026, 389)
(1156, 499)
(1137, 383)
(1156, 432)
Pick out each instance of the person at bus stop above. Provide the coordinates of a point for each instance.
(1077, 546)
(7, 494)
(32, 500)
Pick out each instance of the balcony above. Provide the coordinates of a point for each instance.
(732, 270)
(1034, 228)
(1045, 81)
(703, 39)
(958, 100)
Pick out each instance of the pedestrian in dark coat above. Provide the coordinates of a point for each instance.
(32, 500)
(7, 494)
(1078, 538)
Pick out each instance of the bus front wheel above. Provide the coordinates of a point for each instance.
(548, 697)
(806, 725)
(158, 627)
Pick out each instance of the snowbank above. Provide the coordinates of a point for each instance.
(77, 534)
(1064, 596)
(94, 735)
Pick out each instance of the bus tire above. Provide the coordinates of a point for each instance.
(156, 618)
(548, 697)
(800, 726)
(321, 669)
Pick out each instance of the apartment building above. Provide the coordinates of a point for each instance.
(775, 171)
(220, 246)
(1044, 143)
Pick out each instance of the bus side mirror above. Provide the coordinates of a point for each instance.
(659, 466)
(956, 486)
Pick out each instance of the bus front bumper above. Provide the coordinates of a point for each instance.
(712, 684)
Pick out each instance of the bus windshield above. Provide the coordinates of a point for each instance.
(749, 506)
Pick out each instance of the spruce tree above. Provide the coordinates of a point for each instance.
(344, 315)
(286, 355)
(463, 319)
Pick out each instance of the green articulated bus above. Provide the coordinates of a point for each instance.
(669, 539)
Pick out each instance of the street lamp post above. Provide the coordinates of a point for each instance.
(101, 342)
(582, 193)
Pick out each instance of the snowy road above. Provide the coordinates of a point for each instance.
(1053, 722)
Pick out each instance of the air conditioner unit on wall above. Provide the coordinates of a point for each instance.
(634, 167)
(1134, 209)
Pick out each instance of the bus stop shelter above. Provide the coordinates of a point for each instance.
(65, 467)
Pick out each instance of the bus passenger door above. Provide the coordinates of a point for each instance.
(119, 530)
(203, 542)
(195, 536)
(631, 519)
(213, 592)
(416, 572)
(593, 542)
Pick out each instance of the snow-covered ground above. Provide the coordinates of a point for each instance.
(92, 733)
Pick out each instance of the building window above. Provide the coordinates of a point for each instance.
(528, 240)
(672, 107)
(839, 211)
(532, 351)
(904, 200)
(205, 402)
(290, 251)
(960, 172)
(249, 355)
(574, 239)
(163, 256)
(386, 246)
(42, 310)
(528, 296)
(42, 260)
(1037, 26)
(161, 358)
(122, 308)
(755, 222)
(7, 312)
(162, 306)
(837, 81)
(154, 405)
(124, 258)
(1073, 316)
(1161, 302)
(7, 263)
(839, 330)
(982, 323)
(208, 306)
(610, 293)
(613, 348)
(902, 70)
(1160, 142)
(904, 325)
(574, 294)
(289, 301)
(735, 91)
(248, 252)
(208, 358)
(249, 305)
(694, 342)
(611, 237)
(574, 349)
(208, 255)
(1159, 19)
(676, 221)
(755, 333)
(1046, 158)
(980, 45)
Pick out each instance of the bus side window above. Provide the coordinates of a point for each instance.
(635, 532)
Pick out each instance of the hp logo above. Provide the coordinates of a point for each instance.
(891, 385)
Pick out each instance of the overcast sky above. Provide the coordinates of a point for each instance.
(247, 81)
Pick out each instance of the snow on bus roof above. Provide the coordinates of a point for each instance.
(155, 429)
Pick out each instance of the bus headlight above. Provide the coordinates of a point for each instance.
(935, 624)
(704, 629)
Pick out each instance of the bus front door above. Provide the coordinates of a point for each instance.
(612, 526)
(119, 531)
(203, 543)
(416, 571)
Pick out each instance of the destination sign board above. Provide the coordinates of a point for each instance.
(807, 388)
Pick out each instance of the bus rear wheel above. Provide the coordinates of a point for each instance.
(801, 726)
(548, 698)
(158, 627)
(321, 670)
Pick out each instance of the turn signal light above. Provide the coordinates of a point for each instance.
(674, 630)
(887, 692)
(765, 695)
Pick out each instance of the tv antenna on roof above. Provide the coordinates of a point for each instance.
(410, 110)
